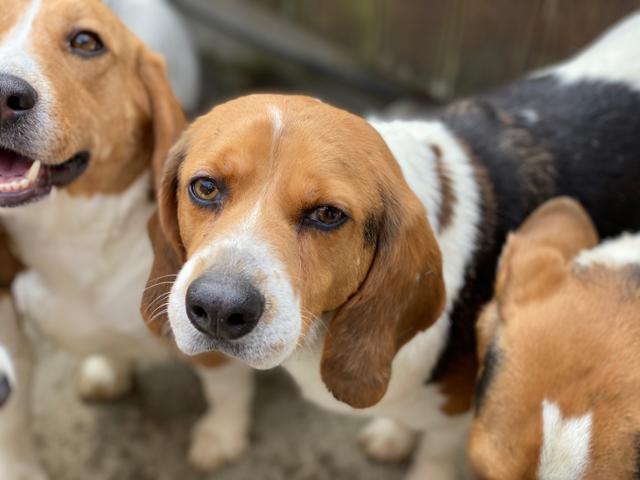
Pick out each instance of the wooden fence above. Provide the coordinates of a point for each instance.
(452, 47)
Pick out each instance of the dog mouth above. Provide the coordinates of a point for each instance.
(24, 180)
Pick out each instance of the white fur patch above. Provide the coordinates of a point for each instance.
(614, 253)
(566, 444)
(410, 142)
(276, 118)
(276, 335)
(88, 259)
(17, 59)
(7, 339)
(614, 57)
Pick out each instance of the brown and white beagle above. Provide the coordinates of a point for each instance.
(559, 349)
(357, 253)
(86, 112)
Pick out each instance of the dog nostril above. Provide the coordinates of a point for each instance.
(236, 320)
(198, 311)
(19, 103)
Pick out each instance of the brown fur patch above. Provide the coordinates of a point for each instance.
(574, 344)
(10, 266)
(447, 195)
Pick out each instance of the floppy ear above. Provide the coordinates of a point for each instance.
(402, 295)
(536, 258)
(167, 117)
(168, 250)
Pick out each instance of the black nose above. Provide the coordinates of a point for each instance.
(16, 97)
(5, 389)
(224, 307)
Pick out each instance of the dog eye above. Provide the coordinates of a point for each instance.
(204, 191)
(326, 217)
(86, 43)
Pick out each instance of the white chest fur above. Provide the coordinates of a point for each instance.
(88, 259)
(408, 398)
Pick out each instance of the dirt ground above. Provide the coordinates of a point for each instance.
(145, 436)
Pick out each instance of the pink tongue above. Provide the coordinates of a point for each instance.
(13, 165)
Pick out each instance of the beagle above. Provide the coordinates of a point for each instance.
(86, 113)
(559, 349)
(357, 253)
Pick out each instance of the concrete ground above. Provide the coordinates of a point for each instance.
(145, 436)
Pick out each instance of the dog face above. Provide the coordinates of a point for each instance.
(293, 218)
(79, 97)
(558, 349)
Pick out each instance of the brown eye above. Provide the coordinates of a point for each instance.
(86, 43)
(204, 191)
(326, 217)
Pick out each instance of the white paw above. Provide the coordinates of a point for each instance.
(385, 440)
(17, 470)
(216, 441)
(103, 379)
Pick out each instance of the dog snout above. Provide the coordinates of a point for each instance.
(17, 97)
(224, 306)
(5, 389)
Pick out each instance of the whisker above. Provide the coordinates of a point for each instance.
(159, 298)
(159, 308)
(158, 315)
(157, 285)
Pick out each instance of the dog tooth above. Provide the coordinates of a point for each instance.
(33, 172)
(23, 184)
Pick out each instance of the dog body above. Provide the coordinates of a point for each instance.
(558, 346)
(86, 113)
(151, 20)
(65, 291)
(305, 236)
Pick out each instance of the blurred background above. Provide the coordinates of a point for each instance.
(368, 54)
(397, 56)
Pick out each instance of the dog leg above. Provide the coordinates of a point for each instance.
(441, 454)
(103, 378)
(17, 457)
(386, 440)
(222, 435)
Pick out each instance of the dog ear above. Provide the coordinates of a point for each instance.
(167, 117)
(402, 295)
(536, 258)
(168, 250)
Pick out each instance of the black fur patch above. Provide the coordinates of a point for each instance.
(590, 131)
(537, 139)
(489, 370)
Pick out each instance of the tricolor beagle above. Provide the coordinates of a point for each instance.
(86, 112)
(559, 348)
(356, 254)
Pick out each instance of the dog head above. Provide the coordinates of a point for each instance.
(559, 356)
(83, 103)
(288, 220)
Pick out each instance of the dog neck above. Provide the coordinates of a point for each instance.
(82, 237)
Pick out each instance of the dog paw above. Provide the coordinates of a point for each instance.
(102, 379)
(215, 442)
(385, 440)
